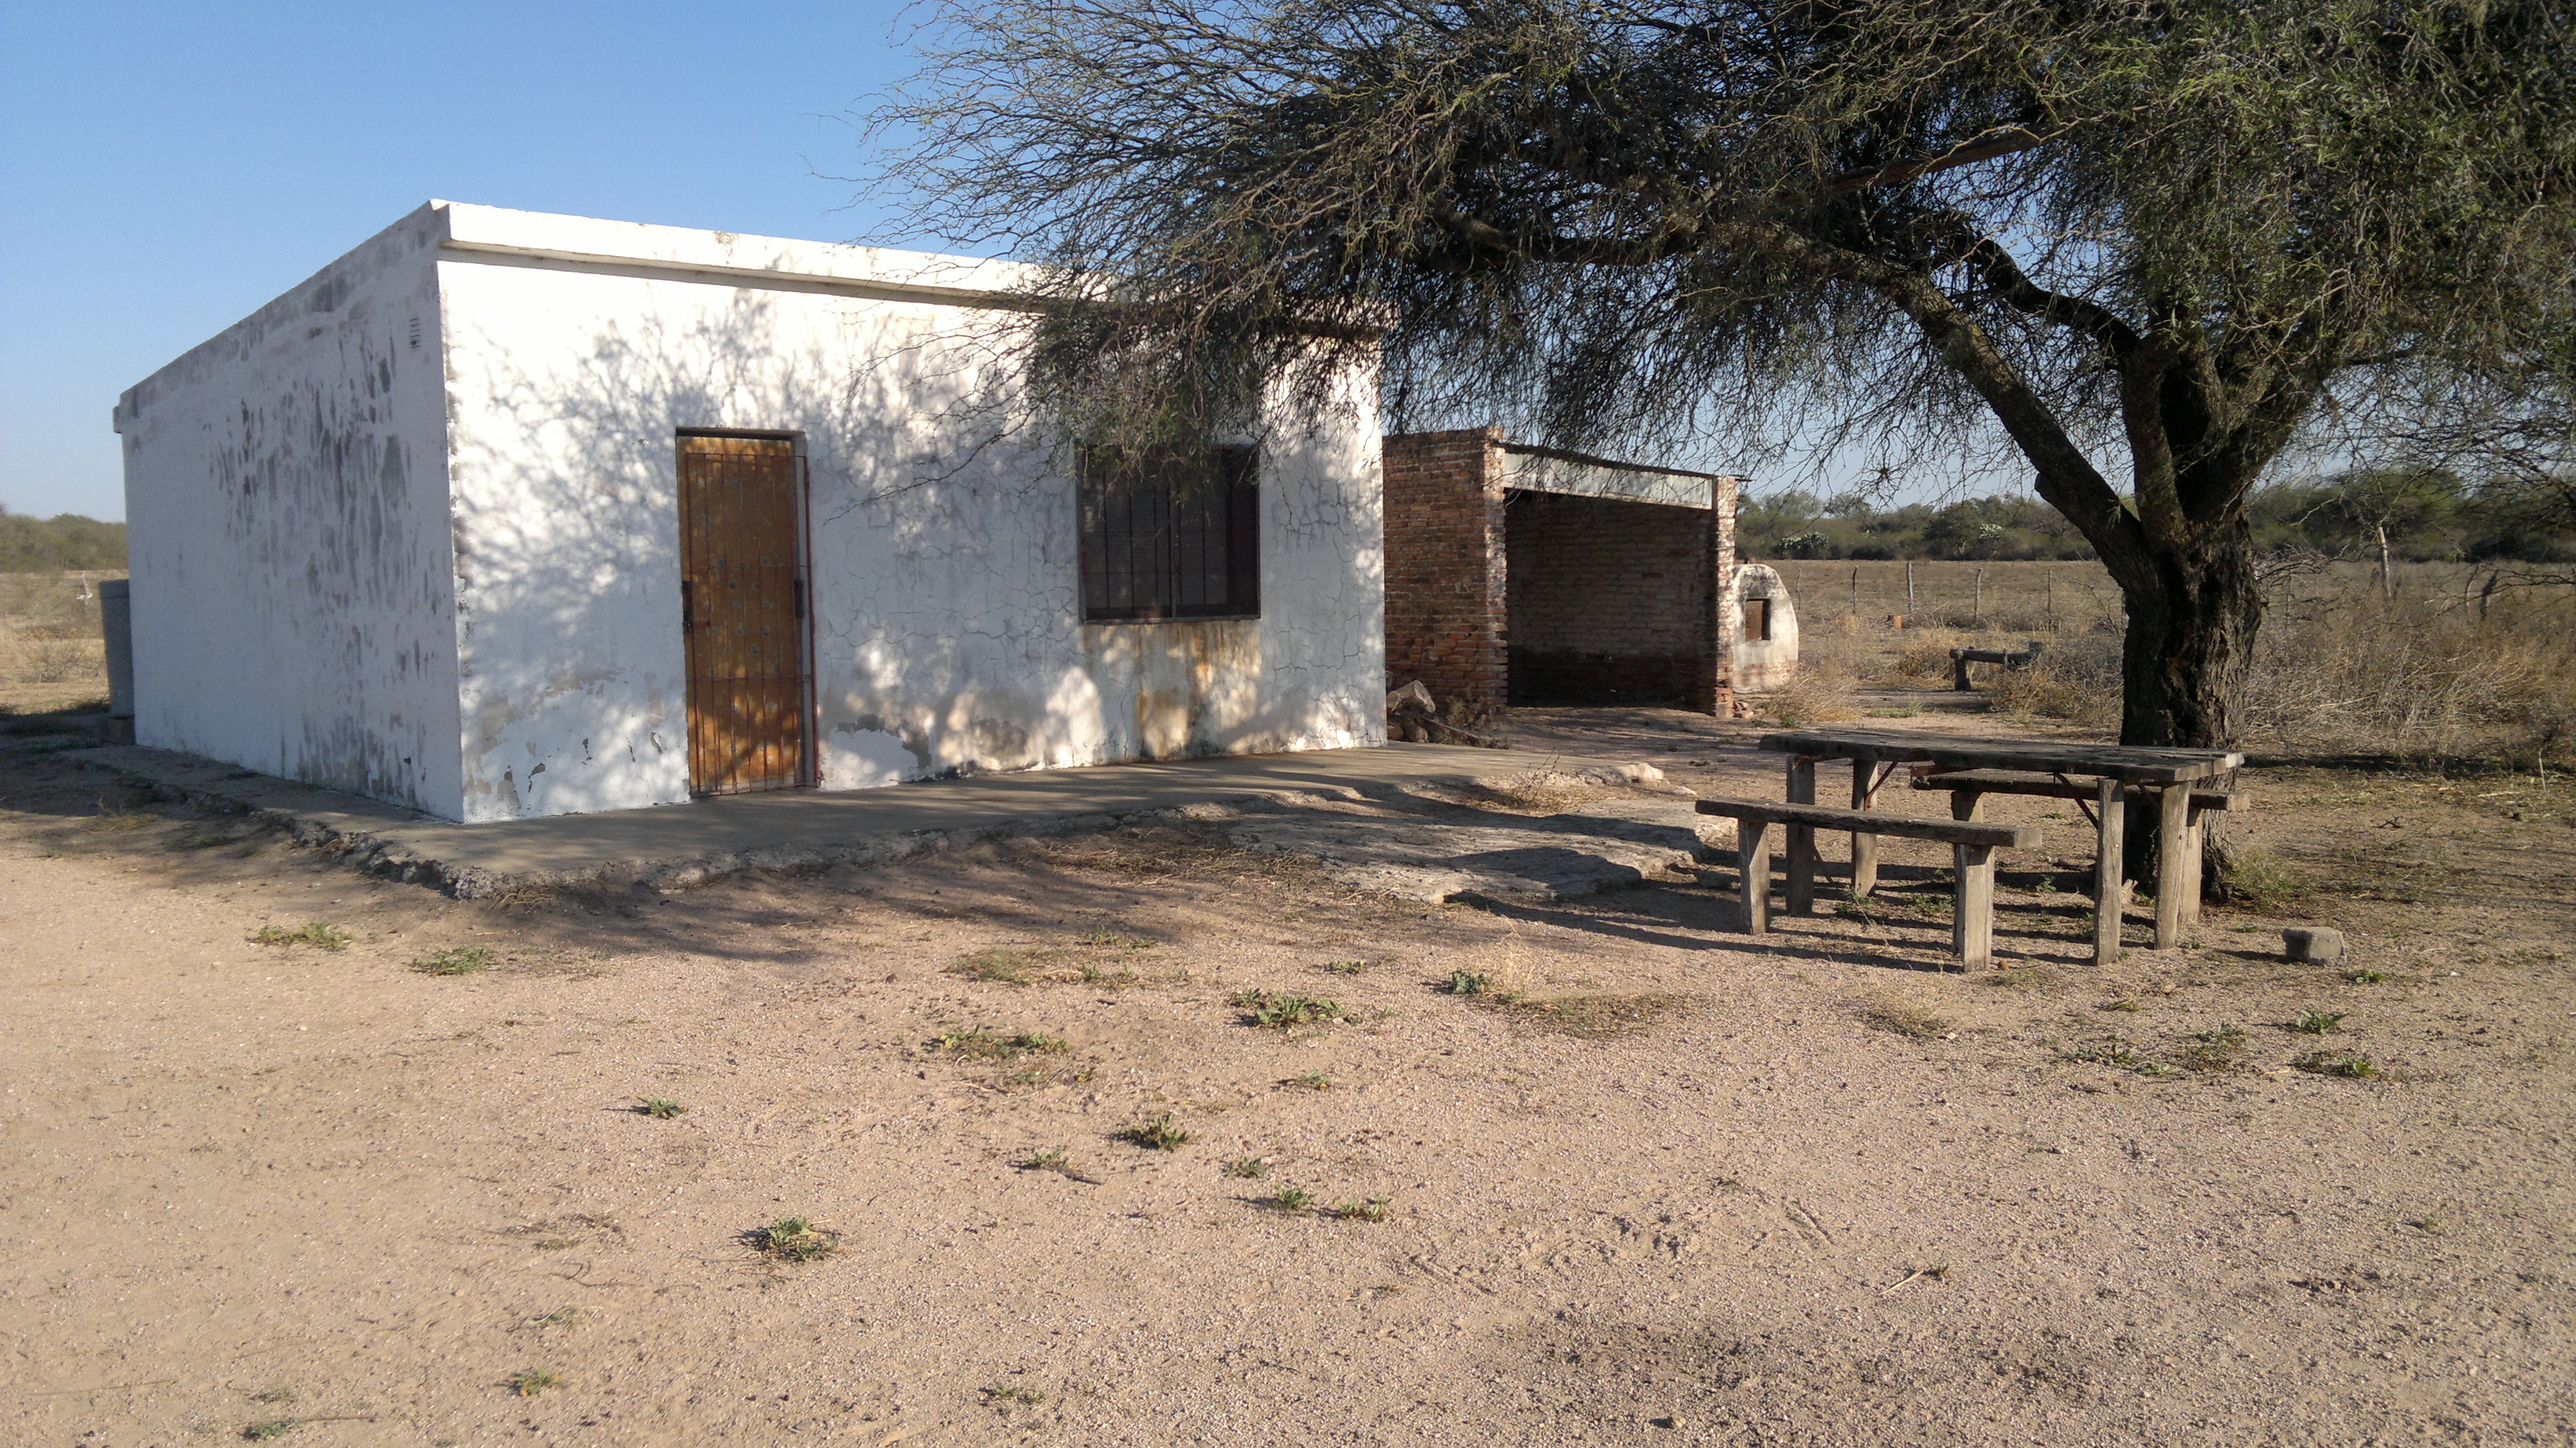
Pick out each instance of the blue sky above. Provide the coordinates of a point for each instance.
(167, 168)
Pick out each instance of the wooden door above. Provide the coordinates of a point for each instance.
(742, 609)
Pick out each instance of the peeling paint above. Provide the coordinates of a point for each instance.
(479, 539)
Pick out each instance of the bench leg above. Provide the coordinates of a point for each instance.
(2173, 843)
(1753, 873)
(1958, 674)
(1972, 923)
(1966, 804)
(1802, 840)
(1864, 874)
(2112, 806)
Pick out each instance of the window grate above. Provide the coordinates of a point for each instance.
(1170, 534)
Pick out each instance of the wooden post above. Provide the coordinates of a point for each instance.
(1965, 804)
(1802, 839)
(1753, 872)
(2191, 862)
(1972, 919)
(1981, 595)
(1959, 671)
(1909, 585)
(1855, 593)
(2173, 842)
(2111, 806)
(1864, 872)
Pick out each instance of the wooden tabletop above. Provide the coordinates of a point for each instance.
(1952, 751)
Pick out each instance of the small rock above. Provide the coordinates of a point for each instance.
(2315, 944)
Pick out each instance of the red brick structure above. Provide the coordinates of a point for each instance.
(1445, 580)
(1518, 575)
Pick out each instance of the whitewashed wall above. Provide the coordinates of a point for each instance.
(945, 586)
(286, 499)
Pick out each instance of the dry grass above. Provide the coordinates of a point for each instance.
(2431, 671)
(49, 631)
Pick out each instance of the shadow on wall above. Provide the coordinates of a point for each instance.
(942, 548)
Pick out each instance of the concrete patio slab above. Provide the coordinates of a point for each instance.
(680, 845)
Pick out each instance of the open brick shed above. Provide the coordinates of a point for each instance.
(1526, 575)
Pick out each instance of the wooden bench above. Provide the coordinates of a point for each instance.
(2110, 804)
(1973, 845)
(1961, 658)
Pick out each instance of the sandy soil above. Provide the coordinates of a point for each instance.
(1684, 1191)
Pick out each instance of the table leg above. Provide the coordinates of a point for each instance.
(1802, 840)
(1864, 872)
(2112, 806)
(1753, 871)
(1972, 915)
(2191, 862)
(2173, 843)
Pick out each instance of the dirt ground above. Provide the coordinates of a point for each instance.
(1654, 1184)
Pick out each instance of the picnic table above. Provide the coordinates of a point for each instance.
(2101, 778)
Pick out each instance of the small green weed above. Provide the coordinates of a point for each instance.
(661, 1107)
(2110, 1051)
(999, 1394)
(2318, 1023)
(2217, 1049)
(2349, 1064)
(262, 1432)
(1001, 965)
(1262, 1008)
(311, 932)
(1290, 1199)
(1250, 1168)
(455, 960)
(792, 1239)
(2122, 1003)
(1466, 983)
(1372, 1210)
(1115, 940)
(1310, 1081)
(1346, 967)
(1900, 711)
(529, 1383)
(1156, 1134)
(2365, 977)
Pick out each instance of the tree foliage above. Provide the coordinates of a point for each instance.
(64, 543)
(2149, 244)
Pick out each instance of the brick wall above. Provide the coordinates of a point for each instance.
(1584, 623)
(1445, 593)
(1609, 601)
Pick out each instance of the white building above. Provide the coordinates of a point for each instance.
(415, 530)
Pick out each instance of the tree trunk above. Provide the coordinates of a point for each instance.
(2184, 663)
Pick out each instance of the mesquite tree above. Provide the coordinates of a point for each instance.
(2151, 244)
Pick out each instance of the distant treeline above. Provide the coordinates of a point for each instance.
(2416, 515)
(64, 543)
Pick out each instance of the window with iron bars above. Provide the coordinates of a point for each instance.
(1170, 533)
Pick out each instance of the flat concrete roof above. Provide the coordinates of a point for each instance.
(685, 844)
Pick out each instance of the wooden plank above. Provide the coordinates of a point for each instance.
(1908, 827)
(1753, 873)
(1972, 918)
(1802, 840)
(2110, 810)
(2116, 761)
(2049, 786)
(1864, 845)
(2173, 843)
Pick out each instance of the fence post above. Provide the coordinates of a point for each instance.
(1981, 595)
(1909, 585)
